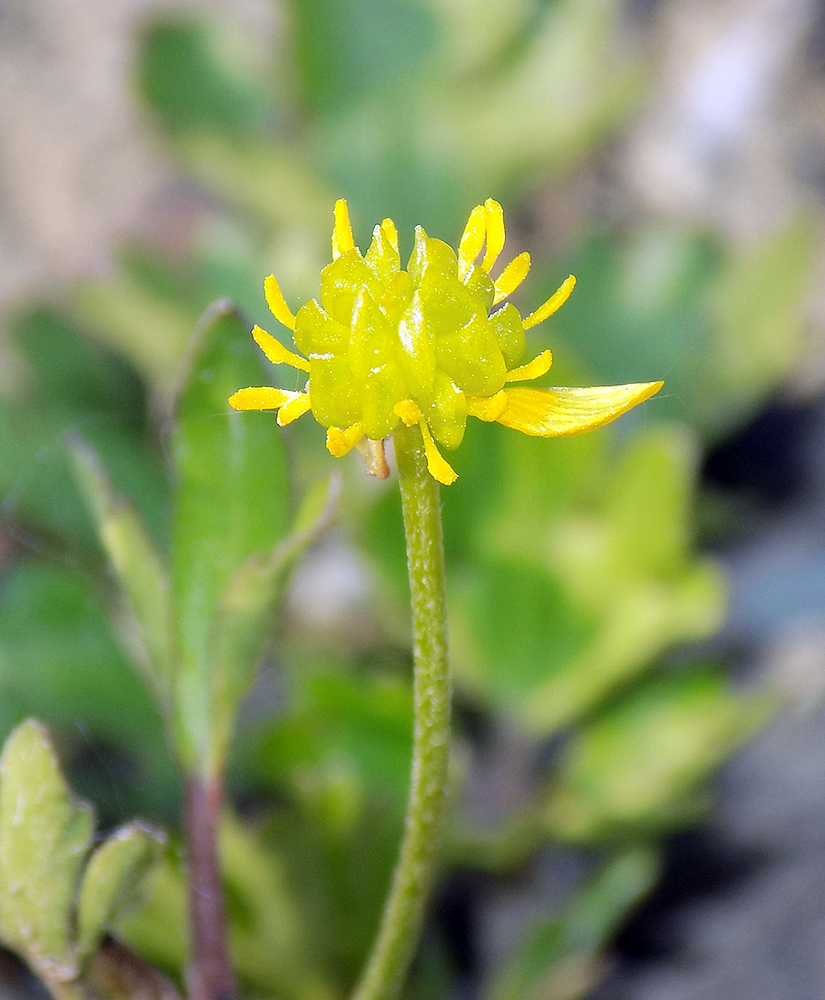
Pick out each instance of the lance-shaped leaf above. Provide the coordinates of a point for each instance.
(139, 567)
(44, 838)
(231, 502)
(558, 956)
(244, 615)
(109, 882)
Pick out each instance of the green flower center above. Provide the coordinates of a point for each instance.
(381, 335)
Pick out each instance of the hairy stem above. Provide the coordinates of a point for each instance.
(210, 974)
(404, 910)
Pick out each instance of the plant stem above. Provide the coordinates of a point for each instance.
(210, 974)
(404, 910)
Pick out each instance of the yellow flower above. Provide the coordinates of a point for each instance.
(422, 346)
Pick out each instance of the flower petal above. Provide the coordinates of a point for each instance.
(562, 412)
(277, 303)
(494, 220)
(276, 352)
(438, 467)
(261, 397)
(533, 369)
(339, 442)
(553, 304)
(342, 230)
(511, 277)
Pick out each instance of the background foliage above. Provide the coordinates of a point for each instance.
(591, 710)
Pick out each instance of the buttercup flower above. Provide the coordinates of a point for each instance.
(422, 346)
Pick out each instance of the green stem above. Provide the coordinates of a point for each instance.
(404, 910)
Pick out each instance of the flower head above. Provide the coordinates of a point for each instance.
(429, 345)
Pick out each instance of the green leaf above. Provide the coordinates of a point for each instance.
(69, 382)
(44, 837)
(245, 613)
(639, 762)
(273, 947)
(349, 49)
(520, 627)
(231, 503)
(559, 955)
(112, 875)
(198, 77)
(139, 567)
(59, 661)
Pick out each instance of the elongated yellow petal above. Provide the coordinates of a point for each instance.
(562, 412)
(471, 240)
(487, 408)
(511, 277)
(342, 230)
(494, 221)
(339, 442)
(260, 397)
(277, 303)
(553, 304)
(533, 369)
(438, 468)
(390, 232)
(276, 352)
(296, 407)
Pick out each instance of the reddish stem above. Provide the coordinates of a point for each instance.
(210, 974)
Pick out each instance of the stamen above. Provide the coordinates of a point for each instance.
(533, 369)
(277, 303)
(259, 397)
(555, 302)
(471, 240)
(494, 221)
(296, 407)
(407, 411)
(487, 408)
(339, 442)
(511, 277)
(390, 232)
(276, 352)
(438, 468)
(342, 230)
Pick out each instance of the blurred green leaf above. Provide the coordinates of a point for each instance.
(641, 623)
(244, 614)
(197, 77)
(231, 503)
(110, 879)
(758, 310)
(639, 762)
(273, 948)
(348, 49)
(348, 733)
(568, 87)
(58, 659)
(559, 956)
(627, 564)
(44, 838)
(66, 382)
(140, 569)
(150, 325)
(521, 625)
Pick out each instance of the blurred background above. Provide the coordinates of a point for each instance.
(637, 615)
